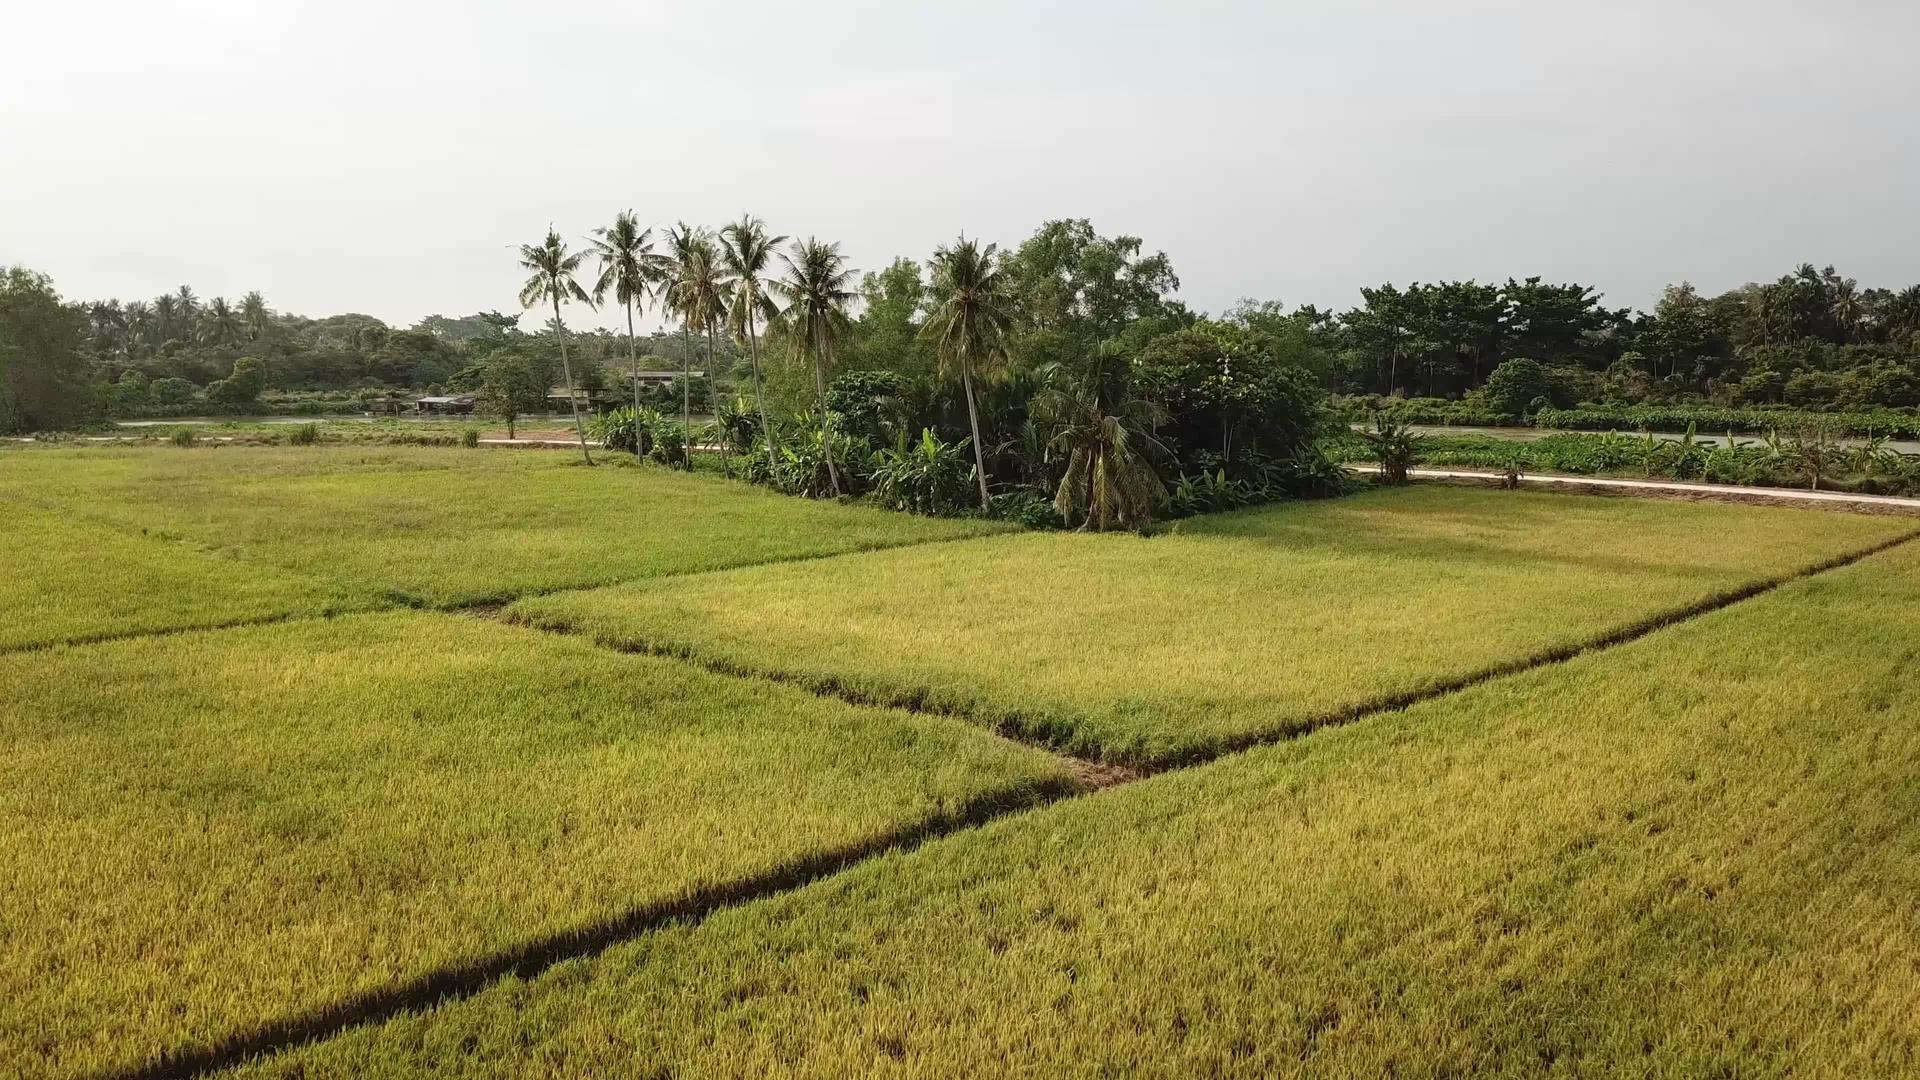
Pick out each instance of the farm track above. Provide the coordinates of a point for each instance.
(528, 961)
(1612, 485)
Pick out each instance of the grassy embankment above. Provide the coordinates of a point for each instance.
(1692, 855)
(205, 833)
(446, 528)
(1236, 628)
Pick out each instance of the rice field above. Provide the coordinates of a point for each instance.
(1150, 651)
(1696, 854)
(69, 580)
(204, 833)
(445, 527)
(283, 795)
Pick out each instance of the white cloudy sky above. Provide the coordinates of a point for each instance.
(385, 155)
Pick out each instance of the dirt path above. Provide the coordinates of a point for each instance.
(1730, 492)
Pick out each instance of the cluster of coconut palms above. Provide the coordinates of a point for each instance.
(742, 279)
(140, 327)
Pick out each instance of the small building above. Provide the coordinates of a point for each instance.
(588, 399)
(451, 405)
(658, 378)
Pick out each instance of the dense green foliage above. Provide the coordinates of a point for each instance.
(1146, 650)
(1692, 856)
(1809, 458)
(282, 817)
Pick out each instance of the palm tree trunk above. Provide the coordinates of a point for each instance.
(726, 463)
(759, 392)
(826, 418)
(686, 389)
(633, 365)
(973, 421)
(566, 370)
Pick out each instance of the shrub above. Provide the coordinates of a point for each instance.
(927, 477)
(183, 437)
(1027, 508)
(469, 438)
(304, 435)
(1395, 447)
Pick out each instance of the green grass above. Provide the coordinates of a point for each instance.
(206, 832)
(1152, 650)
(1693, 855)
(67, 580)
(448, 527)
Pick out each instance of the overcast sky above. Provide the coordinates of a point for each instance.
(386, 156)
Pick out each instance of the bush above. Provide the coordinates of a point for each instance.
(927, 477)
(1395, 447)
(183, 437)
(469, 438)
(1026, 508)
(802, 469)
(304, 435)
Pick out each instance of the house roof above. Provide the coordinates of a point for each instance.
(461, 399)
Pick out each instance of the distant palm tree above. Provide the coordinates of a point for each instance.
(968, 327)
(628, 269)
(166, 313)
(1847, 307)
(553, 269)
(140, 325)
(747, 249)
(1903, 312)
(222, 324)
(189, 312)
(709, 289)
(679, 291)
(254, 313)
(817, 288)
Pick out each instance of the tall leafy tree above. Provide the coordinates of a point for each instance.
(969, 326)
(628, 269)
(552, 280)
(748, 250)
(816, 289)
(42, 373)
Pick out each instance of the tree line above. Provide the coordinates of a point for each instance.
(1066, 366)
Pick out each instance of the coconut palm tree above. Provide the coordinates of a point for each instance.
(968, 327)
(1106, 439)
(189, 312)
(553, 280)
(705, 288)
(817, 288)
(628, 269)
(254, 313)
(679, 292)
(222, 324)
(1106, 436)
(1903, 312)
(747, 249)
(140, 325)
(166, 312)
(1846, 307)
